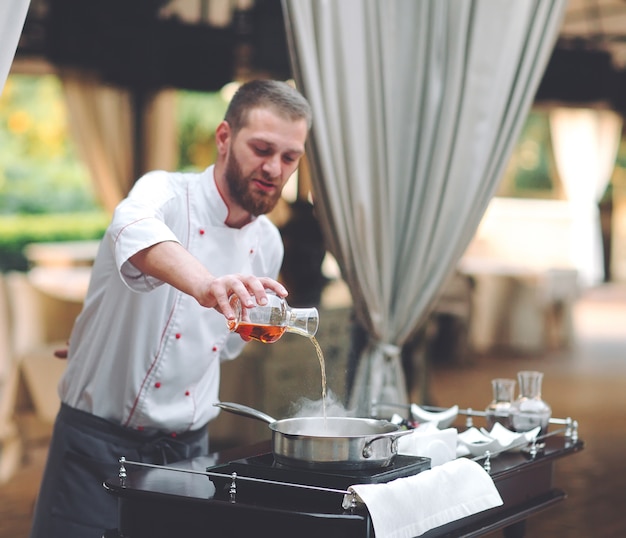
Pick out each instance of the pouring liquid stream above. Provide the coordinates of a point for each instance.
(320, 357)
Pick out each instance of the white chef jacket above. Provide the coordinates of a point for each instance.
(142, 353)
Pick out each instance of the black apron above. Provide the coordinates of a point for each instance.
(84, 451)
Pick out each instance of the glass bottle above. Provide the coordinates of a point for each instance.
(529, 410)
(499, 409)
(267, 323)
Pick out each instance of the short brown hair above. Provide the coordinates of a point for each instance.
(272, 94)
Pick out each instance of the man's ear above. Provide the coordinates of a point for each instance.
(222, 137)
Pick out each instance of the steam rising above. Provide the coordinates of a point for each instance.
(305, 407)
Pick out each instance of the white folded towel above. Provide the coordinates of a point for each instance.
(410, 506)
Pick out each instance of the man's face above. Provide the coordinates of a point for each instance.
(262, 157)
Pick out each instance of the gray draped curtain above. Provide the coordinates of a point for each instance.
(12, 17)
(417, 104)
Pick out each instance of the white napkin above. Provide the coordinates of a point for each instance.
(429, 441)
(408, 507)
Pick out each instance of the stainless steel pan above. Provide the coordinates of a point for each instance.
(328, 443)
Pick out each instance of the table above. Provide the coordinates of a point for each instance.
(63, 283)
(62, 253)
(520, 307)
(158, 503)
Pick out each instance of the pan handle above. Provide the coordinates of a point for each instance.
(393, 438)
(245, 411)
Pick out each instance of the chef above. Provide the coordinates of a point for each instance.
(144, 354)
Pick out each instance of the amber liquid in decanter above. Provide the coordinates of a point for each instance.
(263, 333)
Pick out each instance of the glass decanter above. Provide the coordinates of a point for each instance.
(529, 410)
(267, 323)
(499, 409)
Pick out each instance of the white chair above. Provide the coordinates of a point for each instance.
(41, 325)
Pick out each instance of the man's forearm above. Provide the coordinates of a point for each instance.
(172, 263)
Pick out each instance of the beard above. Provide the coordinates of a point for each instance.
(244, 194)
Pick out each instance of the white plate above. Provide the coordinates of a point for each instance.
(511, 440)
(478, 442)
(442, 419)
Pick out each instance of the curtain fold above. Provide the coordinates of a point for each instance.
(101, 123)
(102, 120)
(585, 142)
(12, 17)
(417, 105)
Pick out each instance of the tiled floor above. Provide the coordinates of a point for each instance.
(587, 383)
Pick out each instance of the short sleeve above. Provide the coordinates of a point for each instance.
(141, 221)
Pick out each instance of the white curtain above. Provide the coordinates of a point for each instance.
(12, 17)
(101, 122)
(585, 143)
(101, 119)
(417, 104)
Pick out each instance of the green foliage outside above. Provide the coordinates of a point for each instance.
(532, 173)
(530, 170)
(198, 115)
(40, 172)
(45, 190)
(16, 231)
(532, 155)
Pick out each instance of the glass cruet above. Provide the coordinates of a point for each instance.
(529, 410)
(268, 322)
(499, 409)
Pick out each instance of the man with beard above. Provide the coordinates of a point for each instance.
(145, 352)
